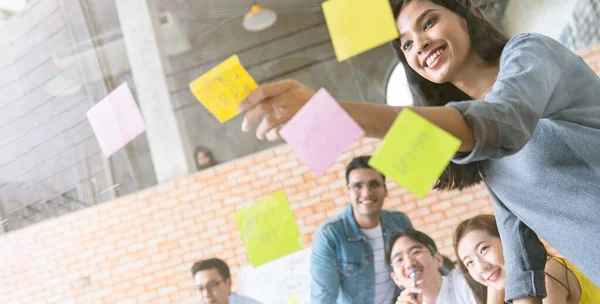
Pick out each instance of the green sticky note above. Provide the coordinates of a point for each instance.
(268, 229)
(414, 152)
(293, 299)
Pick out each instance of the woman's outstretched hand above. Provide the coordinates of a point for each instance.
(276, 103)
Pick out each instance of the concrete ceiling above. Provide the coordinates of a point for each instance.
(195, 9)
(201, 9)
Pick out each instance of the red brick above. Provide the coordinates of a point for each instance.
(449, 222)
(455, 211)
(466, 198)
(434, 217)
(300, 213)
(306, 186)
(443, 205)
(257, 168)
(316, 218)
(288, 165)
(300, 170)
(272, 188)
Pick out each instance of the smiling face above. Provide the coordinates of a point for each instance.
(482, 255)
(434, 40)
(408, 255)
(366, 191)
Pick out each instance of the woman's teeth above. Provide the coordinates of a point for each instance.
(494, 276)
(433, 57)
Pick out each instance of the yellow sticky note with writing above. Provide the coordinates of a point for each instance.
(268, 229)
(356, 26)
(414, 152)
(223, 88)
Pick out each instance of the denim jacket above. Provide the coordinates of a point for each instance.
(342, 267)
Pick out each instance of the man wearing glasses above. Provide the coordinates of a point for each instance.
(212, 282)
(417, 267)
(348, 250)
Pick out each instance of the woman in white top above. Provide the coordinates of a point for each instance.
(416, 268)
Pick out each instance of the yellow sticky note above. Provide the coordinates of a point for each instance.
(356, 26)
(223, 88)
(293, 299)
(268, 229)
(414, 152)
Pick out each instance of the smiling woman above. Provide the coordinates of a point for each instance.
(479, 249)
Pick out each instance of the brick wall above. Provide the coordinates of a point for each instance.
(139, 248)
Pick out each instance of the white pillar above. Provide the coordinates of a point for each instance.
(139, 24)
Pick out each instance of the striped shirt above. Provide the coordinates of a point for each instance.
(384, 286)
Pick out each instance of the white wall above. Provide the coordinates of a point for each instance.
(548, 17)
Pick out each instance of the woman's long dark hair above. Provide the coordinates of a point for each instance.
(488, 43)
(482, 222)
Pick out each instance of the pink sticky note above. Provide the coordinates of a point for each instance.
(321, 131)
(116, 120)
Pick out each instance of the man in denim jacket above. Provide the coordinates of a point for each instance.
(347, 262)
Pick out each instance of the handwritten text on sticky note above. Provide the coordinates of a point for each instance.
(223, 88)
(414, 152)
(116, 120)
(356, 26)
(268, 229)
(321, 131)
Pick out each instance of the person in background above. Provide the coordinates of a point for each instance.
(348, 250)
(417, 267)
(204, 158)
(478, 246)
(212, 283)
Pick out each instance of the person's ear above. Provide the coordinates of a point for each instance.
(477, 12)
(229, 283)
(395, 278)
(439, 261)
(385, 194)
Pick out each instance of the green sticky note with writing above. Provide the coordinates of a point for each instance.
(268, 229)
(414, 152)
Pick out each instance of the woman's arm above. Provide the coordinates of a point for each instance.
(279, 101)
(376, 120)
(558, 284)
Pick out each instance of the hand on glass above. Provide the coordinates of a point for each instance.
(276, 103)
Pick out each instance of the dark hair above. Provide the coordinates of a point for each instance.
(215, 263)
(483, 222)
(414, 235)
(488, 43)
(205, 150)
(448, 264)
(360, 162)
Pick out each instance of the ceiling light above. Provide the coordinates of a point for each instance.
(259, 18)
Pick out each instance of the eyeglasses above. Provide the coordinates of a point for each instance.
(412, 254)
(372, 185)
(210, 287)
